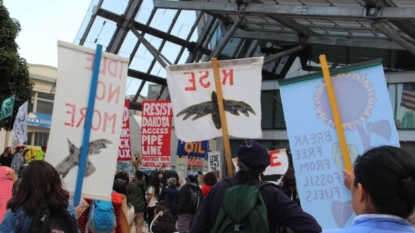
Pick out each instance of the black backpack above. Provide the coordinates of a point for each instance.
(57, 221)
(195, 198)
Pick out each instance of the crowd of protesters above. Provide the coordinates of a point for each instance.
(382, 189)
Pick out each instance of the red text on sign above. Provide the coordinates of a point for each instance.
(108, 66)
(201, 79)
(101, 120)
(274, 159)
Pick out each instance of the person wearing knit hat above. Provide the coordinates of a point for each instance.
(252, 160)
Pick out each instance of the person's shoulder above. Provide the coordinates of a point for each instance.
(352, 229)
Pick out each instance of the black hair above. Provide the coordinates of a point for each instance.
(155, 183)
(387, 174)
(120, 186)
(253, 172)
(210, 179)
(123, 176)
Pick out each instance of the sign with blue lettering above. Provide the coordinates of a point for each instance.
(39, 120)
(367, 119)
(193, 149)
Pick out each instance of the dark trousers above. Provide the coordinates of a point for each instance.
(150, 215)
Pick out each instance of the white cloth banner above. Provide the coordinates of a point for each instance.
(20, 125)
(279, 162)
(75, 65)
(193, 94)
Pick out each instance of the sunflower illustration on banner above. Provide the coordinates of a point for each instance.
(367, 119)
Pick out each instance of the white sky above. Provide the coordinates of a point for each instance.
(43, 22)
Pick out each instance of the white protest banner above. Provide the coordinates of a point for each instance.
(68, 119)
(194, 99)
(20, 125)
(279, 162)
(214, 161)
(124, 151)
(155, 133)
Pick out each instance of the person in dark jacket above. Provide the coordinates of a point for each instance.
(185, 209)
(7, 157)
(170, 194)
(253, 158)
(164, 223)
(136, 196)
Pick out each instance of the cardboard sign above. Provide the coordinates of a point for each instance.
(198, 149)
(367, 119)
(75, 65)
(155, 133)
(124, 150)
(194, 99)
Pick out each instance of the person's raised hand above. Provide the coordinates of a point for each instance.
(348, 179)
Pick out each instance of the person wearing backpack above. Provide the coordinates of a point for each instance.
(40, 204)
(136, 196)
(190, 199)
(246, 204)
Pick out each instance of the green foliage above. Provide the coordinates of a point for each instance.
(14, 73)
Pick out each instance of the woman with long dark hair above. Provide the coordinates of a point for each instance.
(153, 194)
(40, 186)
(7, 157)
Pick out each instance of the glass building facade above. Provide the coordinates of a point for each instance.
(154, 34)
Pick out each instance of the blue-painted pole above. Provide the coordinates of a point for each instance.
(88, 123)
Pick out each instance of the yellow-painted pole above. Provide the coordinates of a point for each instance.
(222, 115)
(335, 112)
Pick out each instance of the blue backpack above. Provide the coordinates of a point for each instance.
(101, 217)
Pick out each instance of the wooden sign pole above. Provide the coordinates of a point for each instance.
(222, 115)
(335, 112)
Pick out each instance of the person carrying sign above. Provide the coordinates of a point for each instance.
(279, 209)
(383, 191)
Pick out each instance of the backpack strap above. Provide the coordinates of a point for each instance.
(232, 181)
(259, 184)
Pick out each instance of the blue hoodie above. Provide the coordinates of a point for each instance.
(377, 223)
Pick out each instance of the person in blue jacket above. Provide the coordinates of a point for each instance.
(253, 158)
(40, 185)
(383, 191)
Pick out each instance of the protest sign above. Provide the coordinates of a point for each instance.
(7, 107)
(198, 149)
(34, 153)
(126, 166)
(367, 119)
(155, 133)
(279, 162)
(194, 99)
(75, 65)
(214, 161)
(124, 150)
(5, 191)
(20, 125)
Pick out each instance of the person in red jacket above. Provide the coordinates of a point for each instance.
(208, 181)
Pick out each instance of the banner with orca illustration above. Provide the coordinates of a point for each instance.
(194, 99)
(75, 65)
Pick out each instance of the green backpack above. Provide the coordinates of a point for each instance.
(243, 209)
